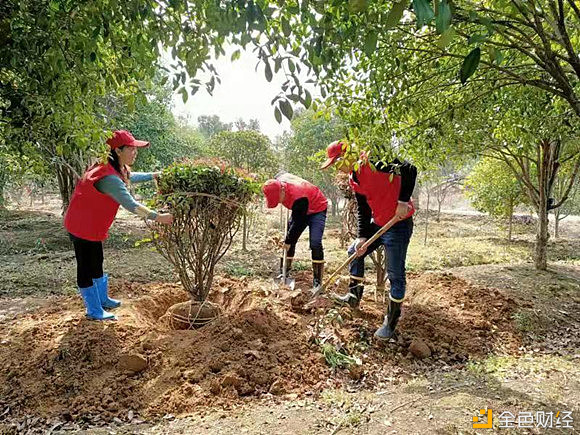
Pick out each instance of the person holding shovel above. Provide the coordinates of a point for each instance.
(382, 191)
(90, 214)
(308, 205)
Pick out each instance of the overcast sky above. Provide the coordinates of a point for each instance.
(243, 93)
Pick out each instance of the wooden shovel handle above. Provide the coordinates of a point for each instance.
(378, 234)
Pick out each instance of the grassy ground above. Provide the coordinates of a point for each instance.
(37, 266)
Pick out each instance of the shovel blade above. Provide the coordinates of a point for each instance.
(316, 291)
(288, 282)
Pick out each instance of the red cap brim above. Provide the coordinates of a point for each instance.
(330, 161)
(139, 144)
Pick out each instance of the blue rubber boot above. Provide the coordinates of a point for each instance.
(93, 304)
(102, 285)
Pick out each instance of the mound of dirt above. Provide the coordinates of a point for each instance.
(454, 316)
(53, 362)
(455, 319)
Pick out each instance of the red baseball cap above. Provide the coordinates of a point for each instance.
(124, 138)
(271, 189)
(333, 152)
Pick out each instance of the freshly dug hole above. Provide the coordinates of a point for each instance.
(190, 314)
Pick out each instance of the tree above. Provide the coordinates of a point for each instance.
(534, 135)
(153, 121)
(247, 149)
(571, 206)
(58, 59)
(304, 150)
(493, 188)
(370, 44)
(208, 125)
(207, 200)
(252, 124)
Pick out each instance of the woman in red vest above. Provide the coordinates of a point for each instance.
(382, 191)
(308, 205)
(91, 212)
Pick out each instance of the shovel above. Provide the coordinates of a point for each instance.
(284, 280)
(317, 291)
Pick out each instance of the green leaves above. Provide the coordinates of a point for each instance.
(395, 14)
(286, 109)
(443, 19)
(423, 12)
(476, 39)
(278, 115)
(268, 71)
(307, 99)
(495, 55)
(469, 65)
(371, 43)
(446, 37)
(286, 29)
(184, 94)
(356, 6)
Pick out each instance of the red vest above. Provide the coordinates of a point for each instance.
(91, 213)
(381, 192)
(297, 188)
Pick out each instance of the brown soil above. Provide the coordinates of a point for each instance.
(54, 362)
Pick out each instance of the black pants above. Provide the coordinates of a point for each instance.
(89, 257)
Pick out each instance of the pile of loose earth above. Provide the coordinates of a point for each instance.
(445, 320)
(53, 362)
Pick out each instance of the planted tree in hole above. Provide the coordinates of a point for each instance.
(207, 200)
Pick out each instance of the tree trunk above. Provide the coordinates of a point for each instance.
(427, 217)
(510, 224)
(67, 178)
(556, 222)
(244, 233)
(2, 185)
(548, 153)
(541, 254)
(66, 183)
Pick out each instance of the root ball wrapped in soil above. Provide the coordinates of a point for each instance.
(191, 314)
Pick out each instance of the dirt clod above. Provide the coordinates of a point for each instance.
(277, 388)
(420, 349)
(132, 363)
(231, 379)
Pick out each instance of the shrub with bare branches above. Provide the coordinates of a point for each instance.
(207, 200)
